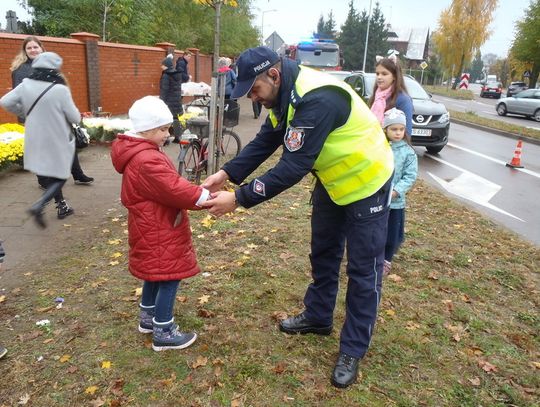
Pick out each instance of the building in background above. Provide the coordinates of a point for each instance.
(412, 44)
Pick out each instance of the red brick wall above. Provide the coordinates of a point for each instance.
(127, 72)
(74, 67)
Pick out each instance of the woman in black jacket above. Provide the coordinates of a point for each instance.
(170, 91)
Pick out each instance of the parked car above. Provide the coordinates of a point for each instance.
(526, 103)
(431, 120)
(516, 87)
(491, 89)
(340, 74)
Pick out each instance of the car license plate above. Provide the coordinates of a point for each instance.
(421, 132)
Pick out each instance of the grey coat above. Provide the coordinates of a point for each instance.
(49, 146)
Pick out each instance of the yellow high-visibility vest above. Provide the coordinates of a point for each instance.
(356, 159)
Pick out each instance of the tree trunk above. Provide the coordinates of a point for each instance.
(458, 74)
(535, 71)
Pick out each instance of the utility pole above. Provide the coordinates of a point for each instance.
(217, 33)
(367, 37)
(262, 23)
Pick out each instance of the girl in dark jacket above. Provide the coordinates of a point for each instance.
(170, 91)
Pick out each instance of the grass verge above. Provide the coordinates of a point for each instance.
(458, 322)
(472, 117)
(449, 92)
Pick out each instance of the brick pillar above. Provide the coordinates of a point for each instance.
(92, 67)
(167, 46)
(195, 52)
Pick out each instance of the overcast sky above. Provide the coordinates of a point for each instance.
(297, 19)
(294, 20)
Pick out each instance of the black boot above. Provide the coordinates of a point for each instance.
(36, 211)
(63, 209)
(83, 180)
(299, 324)
(345, 371)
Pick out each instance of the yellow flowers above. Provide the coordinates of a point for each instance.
(11, 127)
(11, 144)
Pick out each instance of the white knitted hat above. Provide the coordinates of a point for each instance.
(394, 116)
(148, 113)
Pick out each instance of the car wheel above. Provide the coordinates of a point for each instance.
(481, 95)
(434, 150)
(536, 115)
(501, 109)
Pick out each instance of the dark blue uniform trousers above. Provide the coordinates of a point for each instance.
(362, 226)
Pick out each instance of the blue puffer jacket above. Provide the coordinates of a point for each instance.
(405, 172)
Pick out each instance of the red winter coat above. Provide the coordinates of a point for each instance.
(157, 199)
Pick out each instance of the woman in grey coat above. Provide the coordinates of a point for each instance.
(49, 145)
(21, 68)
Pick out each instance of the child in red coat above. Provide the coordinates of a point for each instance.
(160, 248)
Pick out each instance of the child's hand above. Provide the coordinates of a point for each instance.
(223, 202)
(394, 194)
(215, 182)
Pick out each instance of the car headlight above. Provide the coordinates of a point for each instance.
(445, 118)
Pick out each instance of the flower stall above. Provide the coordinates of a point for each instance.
(105, 129)
(11, 145)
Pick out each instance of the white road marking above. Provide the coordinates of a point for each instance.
(487, 157)
(470, 186)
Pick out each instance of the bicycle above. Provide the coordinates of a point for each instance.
(193, 155)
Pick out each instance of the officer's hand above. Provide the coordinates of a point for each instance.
(222, 202)
(215, 182)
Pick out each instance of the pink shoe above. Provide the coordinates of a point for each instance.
(387, 267)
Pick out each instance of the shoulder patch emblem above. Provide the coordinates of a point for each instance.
(294, 139)
(259, 188)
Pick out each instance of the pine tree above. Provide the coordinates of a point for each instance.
(350, 39)
(477, 67)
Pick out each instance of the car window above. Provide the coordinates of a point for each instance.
(415, 90)
(526, 94)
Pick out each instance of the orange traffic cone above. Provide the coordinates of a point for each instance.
(516, 159)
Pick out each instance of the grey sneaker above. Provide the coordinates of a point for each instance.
(167, 336)
(145, 319)
(3, 352)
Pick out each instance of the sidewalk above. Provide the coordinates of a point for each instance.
(27, 246)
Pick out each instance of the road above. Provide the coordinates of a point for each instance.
(471, 168)
(485, 107)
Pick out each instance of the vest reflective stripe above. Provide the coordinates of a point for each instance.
(356, 159)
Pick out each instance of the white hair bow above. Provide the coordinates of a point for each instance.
(392, 57)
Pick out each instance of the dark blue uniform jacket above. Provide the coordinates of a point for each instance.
(317, 114)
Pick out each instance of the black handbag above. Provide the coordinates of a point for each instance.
(82, 139)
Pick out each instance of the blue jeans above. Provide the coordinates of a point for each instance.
(162, 295)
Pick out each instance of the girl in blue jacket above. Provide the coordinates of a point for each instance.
(405, 172)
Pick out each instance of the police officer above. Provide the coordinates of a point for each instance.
(326, 129)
